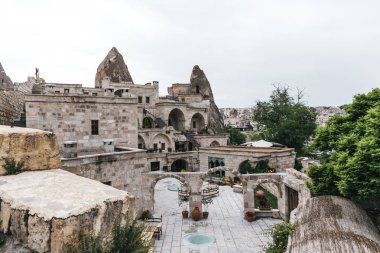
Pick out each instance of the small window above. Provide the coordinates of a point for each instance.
(107, 183)
(197, 89)
(66, 91)
(194, 124)
(183, 99)
(155, 146)
(147, 100)
(140, 99)
(57, 92)
(85, 92)
(95, 94)
(94, 127)
(163, 146)
(140, 146)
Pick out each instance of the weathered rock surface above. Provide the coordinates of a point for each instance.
(45, 209)
(333, 224)
(5, 81)
(200, 84)
(38, 149)
(114, 67)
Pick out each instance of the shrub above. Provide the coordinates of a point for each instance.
(129, 238)
(280, 234)
(12, 167)
(87, 243)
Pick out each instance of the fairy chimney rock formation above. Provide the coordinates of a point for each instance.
(114, 67)
(5, 81)
(200, 84)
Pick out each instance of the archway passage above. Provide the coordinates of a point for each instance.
(271, 199)
(177, 119)
(197, 122)
(147, 122)
(161, 142)
(179, 165)
(245, 167)
(140, 142)
(214, 144)
(166, 200)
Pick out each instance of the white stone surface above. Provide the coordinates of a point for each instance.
(55, 193)
(19, 130)
(225, 223)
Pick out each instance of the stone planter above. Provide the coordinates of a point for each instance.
(185, 214)
(205, 215)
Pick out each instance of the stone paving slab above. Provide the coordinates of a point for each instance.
(232, 233)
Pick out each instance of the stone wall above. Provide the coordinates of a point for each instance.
(122, 170)
(38, 149)
(279, 158)
(70, 116)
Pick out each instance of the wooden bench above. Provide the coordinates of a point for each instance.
(154, 225)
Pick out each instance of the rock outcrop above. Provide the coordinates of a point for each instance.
(38, 149)
(46, 209)
(333, 224)
(5, 81)
(114, 67)
(200, 85)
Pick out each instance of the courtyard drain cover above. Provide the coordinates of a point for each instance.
(173, 187)
(198, 239)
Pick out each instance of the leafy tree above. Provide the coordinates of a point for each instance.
(284, 119)
(351, 166)
(236, 137)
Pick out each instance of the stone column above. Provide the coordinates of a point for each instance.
(249, 204)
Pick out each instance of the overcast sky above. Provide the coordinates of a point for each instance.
(330, 48)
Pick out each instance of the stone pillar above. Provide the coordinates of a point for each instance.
(248, 197)
(195, 200)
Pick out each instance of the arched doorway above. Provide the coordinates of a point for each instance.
(147, 122)
(161, 142)
(140, 142)
(177, 119)
(245, 167)
(179, 165)
(197, 122)
(214, 144)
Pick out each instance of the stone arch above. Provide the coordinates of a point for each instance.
(177, 119)
(244, 166)
(215, 144)
(162, 140)
(197, 122)
(147, 122)
(262, 181)
(168, 175)
(141, 142)
(179, 165)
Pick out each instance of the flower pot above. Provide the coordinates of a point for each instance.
(196, 214)
(185, 214)
(205, 215)
(249, 216)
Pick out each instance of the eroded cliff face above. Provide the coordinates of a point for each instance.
(200, 84)
(38, 149)
(5, 81)
(114, 67)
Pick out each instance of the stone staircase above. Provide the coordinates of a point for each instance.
(159, 122)
(190, 138)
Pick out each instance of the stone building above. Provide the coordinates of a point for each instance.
(126, 135)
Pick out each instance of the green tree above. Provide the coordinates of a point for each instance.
(351, 164)
(285, 120)
(236, 137)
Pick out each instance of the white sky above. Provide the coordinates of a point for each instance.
(330, 48)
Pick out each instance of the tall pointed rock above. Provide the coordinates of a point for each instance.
(200, 84)
(114, 67)
(5, 81)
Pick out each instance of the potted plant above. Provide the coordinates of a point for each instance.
(206, 203)
(249, 216)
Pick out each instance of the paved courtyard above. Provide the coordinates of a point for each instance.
(232, 233)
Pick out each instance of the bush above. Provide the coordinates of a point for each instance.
(12, 167)
(127, 238)
(280, 234)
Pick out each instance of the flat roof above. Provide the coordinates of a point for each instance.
(55, 193)
(247, 149)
